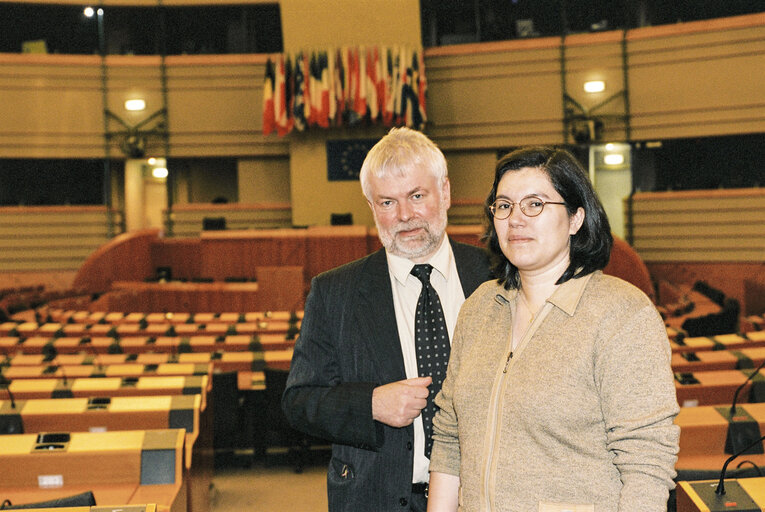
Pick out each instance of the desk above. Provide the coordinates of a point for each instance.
(112, 318)
(714, 387)
(110, 387)
(110, 508)
(719, 342)
(126, 413)
(688, 499)
(217, 328)
(717, 359)
(112, 370)
(127, 467)
(14, 345)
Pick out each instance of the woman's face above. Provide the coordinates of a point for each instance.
(535, 245)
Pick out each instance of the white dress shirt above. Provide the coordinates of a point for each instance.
(406, 291)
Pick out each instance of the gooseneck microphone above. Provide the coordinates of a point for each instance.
(738, 390)
(720, 491)
(6, 383)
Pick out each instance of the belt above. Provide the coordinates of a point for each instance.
(421, 488)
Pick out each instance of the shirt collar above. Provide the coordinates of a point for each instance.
(441, 260)
(567, 296)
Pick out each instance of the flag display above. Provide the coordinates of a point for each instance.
(344, 87)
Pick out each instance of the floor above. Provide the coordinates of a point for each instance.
(271, 486)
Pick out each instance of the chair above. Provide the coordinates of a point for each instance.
(85, 499)
(213, 223)
(279, 433)
(341, 219)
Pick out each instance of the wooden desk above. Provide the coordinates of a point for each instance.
(57, 330)
(110, 508)
(13, 345)
(127, 467)
(112, 318)
(110, 387)
(688, 499)
(112, 370)
(717, 359)
(719, 342)
(129, 413)
(107, 414)
(714, 388)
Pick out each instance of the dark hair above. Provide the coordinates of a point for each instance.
(590, 246)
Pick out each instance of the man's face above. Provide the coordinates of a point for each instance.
(410, 212)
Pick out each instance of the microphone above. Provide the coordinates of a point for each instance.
(738, 390)
(720, 491)
(744, 431)
(5, 381)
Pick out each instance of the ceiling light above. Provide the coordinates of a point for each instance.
(159, 172)
(135, 105)
(614, 159)
(595, 86)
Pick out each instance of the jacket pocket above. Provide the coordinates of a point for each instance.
(340, 472)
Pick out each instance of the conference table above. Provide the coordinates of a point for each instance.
(718, 342)
(703, 434)
(49, 346)
(57, 330)
(699, 496)
(109, 387)
(125, 413)
(718, 359)
(716, 387)
(116, 317)
(119, 467)
(72, 371)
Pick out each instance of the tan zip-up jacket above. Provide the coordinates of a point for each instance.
(580, 414)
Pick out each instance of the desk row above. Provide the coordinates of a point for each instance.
(27, 329)
(103, 317)
(121, 365)
(49, 345)
(719, 342)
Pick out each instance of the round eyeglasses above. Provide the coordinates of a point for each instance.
(530, 206)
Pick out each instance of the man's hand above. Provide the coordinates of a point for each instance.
(397, 404)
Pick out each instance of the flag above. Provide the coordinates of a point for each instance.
(269, 121)
(280, 100)
(298, 109)
(322, 116)
(373, 106)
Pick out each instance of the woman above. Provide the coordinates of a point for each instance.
(559, 393)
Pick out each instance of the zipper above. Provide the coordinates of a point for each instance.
(495, 410)
(507, 363)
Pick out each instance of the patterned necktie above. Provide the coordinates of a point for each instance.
(431, 340)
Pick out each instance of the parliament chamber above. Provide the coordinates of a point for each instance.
(146, 331)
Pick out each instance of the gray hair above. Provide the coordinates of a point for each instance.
(398, 152)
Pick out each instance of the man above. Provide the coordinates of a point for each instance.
(354, 378)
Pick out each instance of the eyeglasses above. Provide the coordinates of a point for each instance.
(530, 206)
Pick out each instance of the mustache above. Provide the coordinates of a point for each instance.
(408, 226)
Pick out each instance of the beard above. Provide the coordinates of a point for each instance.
(420, 246)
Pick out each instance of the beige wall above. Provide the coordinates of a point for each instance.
(686, 80)
(264, 180)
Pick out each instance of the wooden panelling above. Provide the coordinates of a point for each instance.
(331, 246)
(702, 226)
(237, 253)
(187, 219)
(125, 257)
(43, 238)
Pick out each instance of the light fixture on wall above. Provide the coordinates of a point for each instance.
(613, 159)
(593, 86)
(159, 172)
(135, 104)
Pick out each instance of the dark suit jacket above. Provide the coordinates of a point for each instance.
(348, 345)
